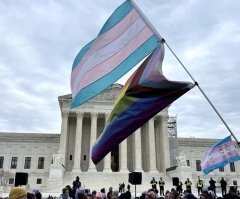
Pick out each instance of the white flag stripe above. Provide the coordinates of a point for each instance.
(215, 149)
(110, 64)
(106, 38)
(108, 51)
(219, 154)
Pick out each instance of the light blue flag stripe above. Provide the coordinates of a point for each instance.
(221, 164)
(115, 18)
(117, 73)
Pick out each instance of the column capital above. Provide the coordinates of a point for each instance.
(64, 114)
(152, 119)
(157, 122)
(80, 114)
(106, 116)
(164, 118)
(94, 115)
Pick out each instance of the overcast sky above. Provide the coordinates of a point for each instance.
(40, 39)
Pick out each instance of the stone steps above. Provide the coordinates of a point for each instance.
(98, 180)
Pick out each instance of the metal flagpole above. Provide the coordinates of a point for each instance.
(144, 18)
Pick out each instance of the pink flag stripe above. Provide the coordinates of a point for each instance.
(108, 51)
(111, 63)
(217, 155)
(216, 150)
(218, 160)
(106, 38)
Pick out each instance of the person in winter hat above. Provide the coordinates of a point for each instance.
(65, 194)
(17, 192)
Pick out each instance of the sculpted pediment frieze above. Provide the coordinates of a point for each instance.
(109, 94)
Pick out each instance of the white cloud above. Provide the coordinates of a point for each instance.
(39, 41)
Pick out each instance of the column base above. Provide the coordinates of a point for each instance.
(76, 171)
(108, 170)
(153, 171)
(124, 170)
(92, 170)
(138, 170)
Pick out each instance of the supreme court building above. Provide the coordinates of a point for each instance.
(152, 150)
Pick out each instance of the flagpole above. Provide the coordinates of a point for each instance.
(144, 18)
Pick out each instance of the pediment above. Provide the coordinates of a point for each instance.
(111, 93)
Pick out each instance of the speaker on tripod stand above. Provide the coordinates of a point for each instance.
(135, 178)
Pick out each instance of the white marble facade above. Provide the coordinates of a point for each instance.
(147, 150)
(81, 126)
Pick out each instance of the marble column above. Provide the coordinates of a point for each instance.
(78, 143)
(63, 138)
(107, 159)
(138, 151)
(164, 144)
(152, 146)
(93, 138)
(123, 156)
(156, 126)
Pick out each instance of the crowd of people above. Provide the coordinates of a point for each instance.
(203, 192)
(76, 191)
(122, 187)
(20, 193)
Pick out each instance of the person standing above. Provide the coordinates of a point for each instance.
(110, 193)
(188, 184)
(153, 183)
(199, 186)
(223, 186)
(161, 186)
(128, 187)
(76, 186)
(65, 194)
(179, 187)
(123, 187)
(120, 188)
(212, 184)
(232, 193)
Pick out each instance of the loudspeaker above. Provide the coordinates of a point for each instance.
(135, 178)
(175, 181)
(21, 178)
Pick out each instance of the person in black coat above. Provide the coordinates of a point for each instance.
(76, 185)
(212, 184)
(128, 187)
(232, 193)
(223, 186)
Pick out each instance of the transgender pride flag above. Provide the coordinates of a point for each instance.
(124, 40)
(219, 155)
